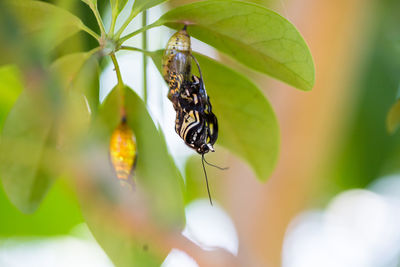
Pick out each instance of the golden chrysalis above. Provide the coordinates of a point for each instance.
(123, 153)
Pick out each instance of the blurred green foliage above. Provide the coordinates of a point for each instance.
(10, 88)
(393, 117)
(368, 151)
(26, 148)
(58, 214)
(140, 5)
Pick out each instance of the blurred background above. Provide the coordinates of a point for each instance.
(334, 198)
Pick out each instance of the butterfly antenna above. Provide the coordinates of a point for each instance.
(215, 166)
(205, 174)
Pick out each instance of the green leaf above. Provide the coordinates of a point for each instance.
(122, 249)
(163, 181)
(24, 143)
(68, 67)
(393, 118)
(28, 158)
(247, 124)
(255, 36)
(10, 89)
(79, 72)
(78, 75)
(90, 2)
(50, 219)
(59, 213)
(29, 161)
(155, 175)
(118, 5)
(87, 83)
(44, 23)
(141, 5)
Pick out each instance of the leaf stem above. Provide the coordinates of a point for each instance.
(143, 29)
(96, 13)
(133, 14)
(89, 31)
(113, 21)
(144, 47)
(131, 48)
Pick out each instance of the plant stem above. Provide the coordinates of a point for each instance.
(117, 70)
(89, 31)
(113, 21)
(147, 27)
(98, 18)
(130, 48)
(126, 23)
(120, 85)
(144, 47)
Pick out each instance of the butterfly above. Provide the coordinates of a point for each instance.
(195, 122)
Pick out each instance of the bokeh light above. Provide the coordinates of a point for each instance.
(358, 228)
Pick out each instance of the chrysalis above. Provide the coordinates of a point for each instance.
(176, 63)
(123, 153)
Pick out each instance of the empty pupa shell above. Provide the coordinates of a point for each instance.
(123, 153)
(177, 56)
